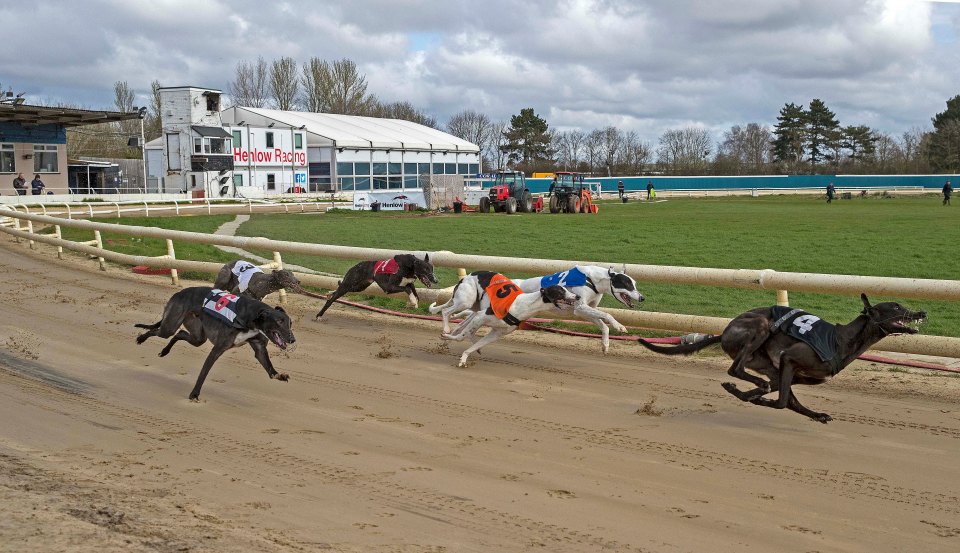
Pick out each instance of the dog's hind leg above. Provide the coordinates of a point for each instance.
(215, 354)
(195, 341)
(259, 346)
(334, 296)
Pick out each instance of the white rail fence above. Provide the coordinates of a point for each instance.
(171, 207)
(778, 282)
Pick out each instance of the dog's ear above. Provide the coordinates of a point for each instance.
(866, 302)
(426, 257)
(280, 309)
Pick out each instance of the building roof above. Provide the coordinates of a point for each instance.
(353, 131)
(68, 117)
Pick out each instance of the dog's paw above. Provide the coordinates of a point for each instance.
(822, 418)
(730, 387)
(194, 399)
(283, 377)
(620, 328)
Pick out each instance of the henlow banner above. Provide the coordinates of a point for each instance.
(389, 201)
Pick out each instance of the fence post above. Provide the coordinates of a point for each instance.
(99, 239)
(174, 274)
(118, 209)
(90, 206)
(208, 206)
(44, 208)
(30, 230)
(146, 209)
(278, 265)
(782, 298)
(16, 225)
(69, 214)
(177, 207)
(57, 233)
(461, 273)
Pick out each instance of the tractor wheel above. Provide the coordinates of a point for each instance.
(554, 204)
(484, 205)
(573, 204)
(526, 202)
(511, 206)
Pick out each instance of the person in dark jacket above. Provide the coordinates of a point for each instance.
(20, 184)
(37, 185)
(947, 192)
(650, 192)
(620, 189)
(831, 191)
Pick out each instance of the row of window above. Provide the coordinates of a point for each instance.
(45, 159)
(360, 168)
(297, 139)
(378, 183)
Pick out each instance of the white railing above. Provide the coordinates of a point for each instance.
(766, 279)
(171, 207)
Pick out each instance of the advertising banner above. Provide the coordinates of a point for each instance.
(395, 200)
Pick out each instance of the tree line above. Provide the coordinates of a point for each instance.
(805, 139)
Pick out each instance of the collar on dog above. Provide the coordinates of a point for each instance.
(593, 286)
(511, 320)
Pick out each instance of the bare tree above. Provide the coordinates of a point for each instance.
(153, 127)
(634, 154)
(611, 140)
(249, 87)
(472, 126)
(685, 151)
(284, 84)
(593, 144)
(336, 88)
(493, 150)
(745, 150)
(401, 110)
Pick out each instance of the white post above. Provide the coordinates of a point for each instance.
(278, 265)
(99, 239)
(60, 236)
(782, 298)
(174, 274)
(30, 230)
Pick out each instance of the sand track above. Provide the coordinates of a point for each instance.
(379, 443)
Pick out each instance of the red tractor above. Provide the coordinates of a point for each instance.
(508, 194)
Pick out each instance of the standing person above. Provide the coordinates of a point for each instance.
(947, 192)
(20, 185)
(651, 193)
(620, 189)
(830, 192)
(37, 185)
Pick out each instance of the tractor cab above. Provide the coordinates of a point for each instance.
(570, 194)
(508, 193)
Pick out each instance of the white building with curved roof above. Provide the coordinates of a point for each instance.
(344, 152)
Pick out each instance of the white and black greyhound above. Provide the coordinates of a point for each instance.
(503, 308)
(589, 282)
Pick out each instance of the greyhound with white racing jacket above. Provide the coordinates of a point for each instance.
(503, 308)
(589, 282)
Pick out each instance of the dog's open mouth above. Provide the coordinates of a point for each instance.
(278, 340)
(625, 299)
(427, 281)
(907, 326)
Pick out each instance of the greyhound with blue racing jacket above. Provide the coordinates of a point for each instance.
(589, 282)
(503, 307)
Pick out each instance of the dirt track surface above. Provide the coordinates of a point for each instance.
(379, 443)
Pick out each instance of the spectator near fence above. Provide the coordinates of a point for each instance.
(620, 189)
(831, 192)
(651, 192)
(947, 192)
(37, 185)
(20, 185)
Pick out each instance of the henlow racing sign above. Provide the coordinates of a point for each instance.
(389, 201)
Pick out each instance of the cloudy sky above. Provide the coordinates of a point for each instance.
(647, 66)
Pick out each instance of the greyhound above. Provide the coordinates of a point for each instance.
(393, 275)
(245, 278)
(503, 308)
(793, 347)
(227, 321)
(589, 282)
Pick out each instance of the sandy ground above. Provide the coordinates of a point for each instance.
(379, 443)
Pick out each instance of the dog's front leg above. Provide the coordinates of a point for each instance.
(492, 336)
(468, 327)
(263, 356)
(601, 319)
(412, 297)
(215, 354)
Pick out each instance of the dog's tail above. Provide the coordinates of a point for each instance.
(154, 326)
(434, 308)
(683, 349)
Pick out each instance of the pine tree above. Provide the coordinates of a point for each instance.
(822, 130)
(944, 152)
(527, 138)
(790, 130)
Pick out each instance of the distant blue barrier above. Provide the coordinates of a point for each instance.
(635, 184)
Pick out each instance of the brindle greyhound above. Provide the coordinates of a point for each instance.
(258, 284)
(392, 275)
(754, 340)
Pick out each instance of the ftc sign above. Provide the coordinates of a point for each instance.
(300, 178)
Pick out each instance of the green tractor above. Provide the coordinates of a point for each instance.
(508, 194)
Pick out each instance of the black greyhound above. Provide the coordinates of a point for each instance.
(258, 283)
(773, 341)
(227, 321)
(393, 275)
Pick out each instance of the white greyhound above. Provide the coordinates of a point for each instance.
(503, 308)
(589, 282)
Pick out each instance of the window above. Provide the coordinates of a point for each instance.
(213, 101)
(410, 168)
(474, 169)
(215, 146)
(271, 181)
(437, 168)
(361, 183)
(344, 168)
(463, 168)
(198, 145)
(451, 168)
(411, 181)
(237, 179)
(346, 183)
(423, 168)
(396, 182)
(394, 168)
(236, 139)
(269, 140)
(297, 141)
(379, 168)
(379, 183)
(45, 158)
(361, 169)
(8, 160)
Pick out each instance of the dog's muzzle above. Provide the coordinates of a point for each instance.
(429, 281)
(278, 340)
(625, 298)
